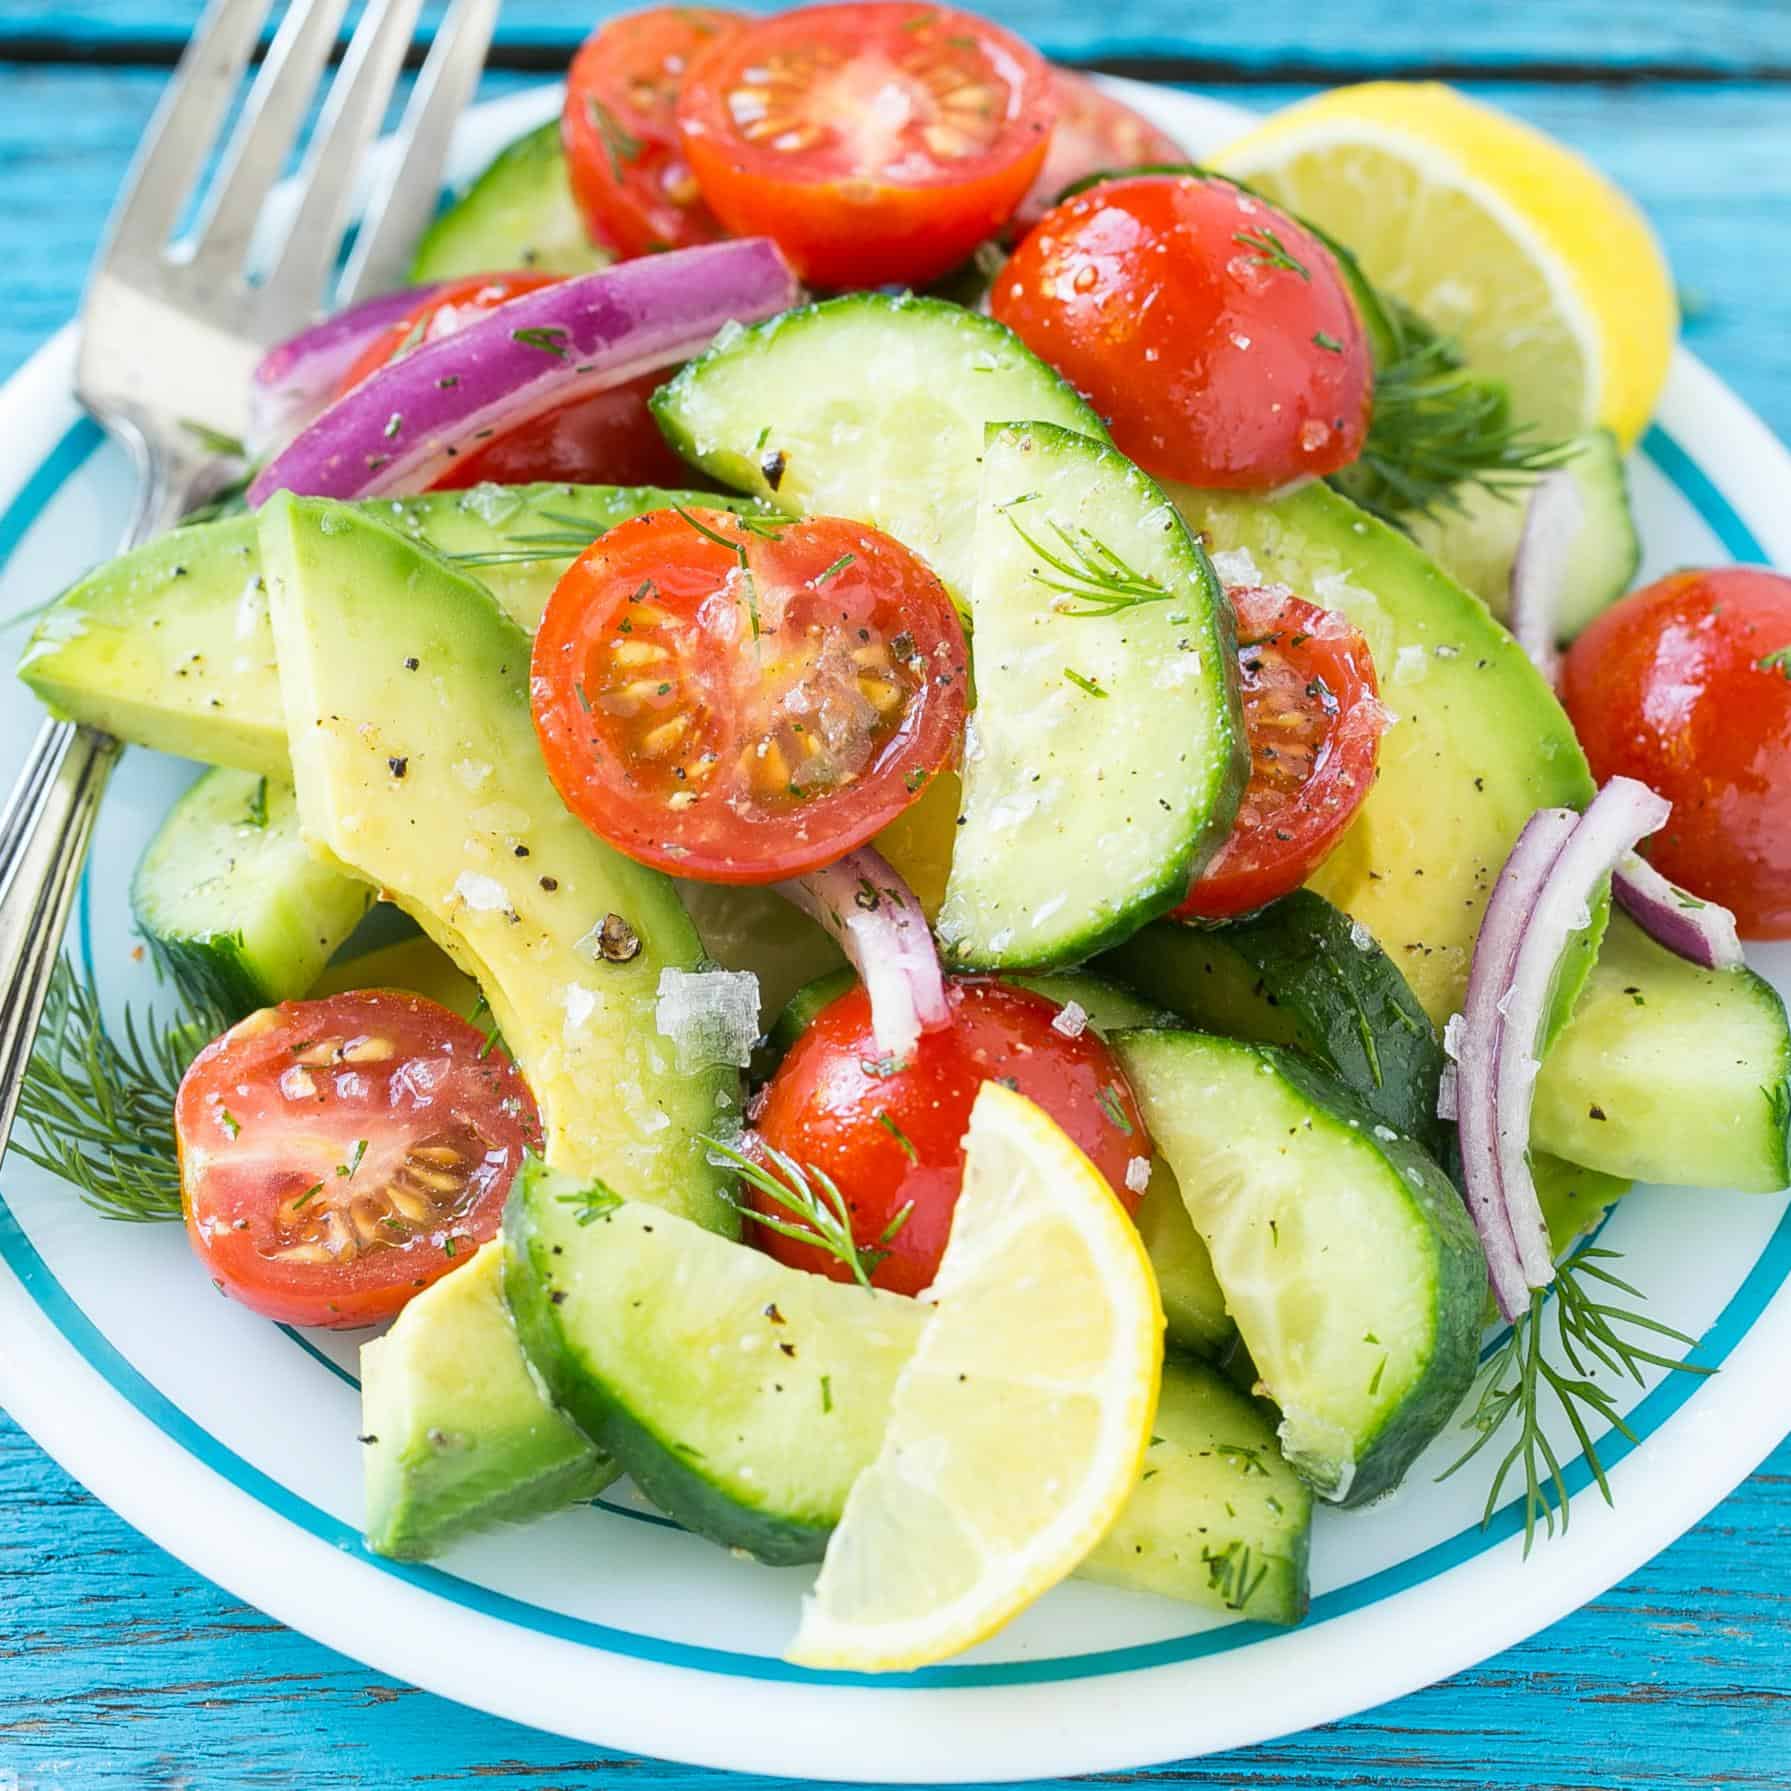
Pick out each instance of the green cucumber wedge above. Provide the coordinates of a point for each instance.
(870, 406)
(1304, 974)
(1219, 1518)
(742, 1396)
(1670, 1073)
(1106, 754)
(231, 901)
(169, 646)
(457, 1435)
(417, 768)
(518, 216)
(745, 1397)
(1347, 1258)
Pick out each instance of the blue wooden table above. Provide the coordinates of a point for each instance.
(120, 1668)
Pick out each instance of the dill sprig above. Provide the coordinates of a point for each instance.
(1589, 1331)
(1088, 570)
(1437, 429)
(100, 1106)
(821, 1215)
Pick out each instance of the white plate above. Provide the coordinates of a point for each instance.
(231, 1442)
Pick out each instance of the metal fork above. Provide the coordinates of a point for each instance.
(171, 330)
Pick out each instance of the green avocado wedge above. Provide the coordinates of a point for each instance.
(744, 1397)
(405, 691)
(456, 1434)
(169, 646)
(1479, 745)
(1346, 1255)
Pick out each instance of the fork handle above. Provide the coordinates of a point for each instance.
(48, 821)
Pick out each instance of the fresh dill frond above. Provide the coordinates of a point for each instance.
(100, 1106)
(1590, 1333)
(1089, 570)
(820, 1213)
(1436, 428)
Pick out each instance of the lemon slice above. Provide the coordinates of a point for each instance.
(1549, 276)
(1018, 1427)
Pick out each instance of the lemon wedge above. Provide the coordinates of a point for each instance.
(1548, 275)
(1018, 1427)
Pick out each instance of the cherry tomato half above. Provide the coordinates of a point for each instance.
(338, 1156)
(891, 1135)
(1314, 721)
(1094, 134)
(742, 700)
(1686, 685)
(1215, 333)
(875, 143)
(607, 438)
(627, 166)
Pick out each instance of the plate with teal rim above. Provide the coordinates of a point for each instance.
(231, 1442)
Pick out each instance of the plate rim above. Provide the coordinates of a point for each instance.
(986, 1732)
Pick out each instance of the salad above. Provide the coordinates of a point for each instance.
(950, 837)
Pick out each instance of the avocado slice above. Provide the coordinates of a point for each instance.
(458, 1434)
(1479, 745)
(405, 691)
(169, 646)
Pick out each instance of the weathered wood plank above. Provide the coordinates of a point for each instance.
(119, 1670)
(1729, 36)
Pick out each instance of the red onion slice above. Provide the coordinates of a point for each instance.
(398, 429)
(1701, 931)
(297, 379)
(1553, 519)
(1622, 813)
(873, 915)
(1485, 1013)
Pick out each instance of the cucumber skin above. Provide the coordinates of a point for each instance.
(1460, 1291)
(1347, 1004)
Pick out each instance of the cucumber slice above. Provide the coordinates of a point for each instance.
(870, 406)
(1106, 754)
(1475, 542)
(519, 214)
(1347, 1259)
(1669, 1073)
(1304, 974)
(745, 1397)
(456, 1432)
(1219, 1518)
(232, 903)
(742, 1396)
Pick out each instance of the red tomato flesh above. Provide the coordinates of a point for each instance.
(1216, 334)
(742, 702)
(608, 438)
(338, 1156)
(875, 143)
(1094, 134)
(894, 1135)
(627, 166)
(1314, 722)
(1686, 685)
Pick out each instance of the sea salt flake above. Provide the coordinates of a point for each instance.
(1138, 1174)
(1071, 1020)
(711, 1016)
